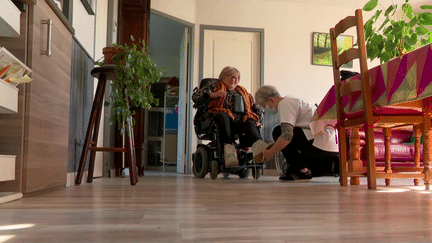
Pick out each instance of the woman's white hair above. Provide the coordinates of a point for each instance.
(264, 93)
(227, 71)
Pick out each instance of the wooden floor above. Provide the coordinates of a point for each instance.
(181, 208)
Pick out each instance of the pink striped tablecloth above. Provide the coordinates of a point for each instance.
(404, 79)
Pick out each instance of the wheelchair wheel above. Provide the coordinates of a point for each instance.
(256, 172)
(200, 163)
(244, 174)
(214, 170)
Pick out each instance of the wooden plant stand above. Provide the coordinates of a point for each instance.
(103, 74)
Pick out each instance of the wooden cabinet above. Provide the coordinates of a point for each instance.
(47, 112)
(38, 133)
(11, 67)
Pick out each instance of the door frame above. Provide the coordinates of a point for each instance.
(188, 131)
(230, 28)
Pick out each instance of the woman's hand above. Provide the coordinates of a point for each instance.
(217, 94)
(267, 154)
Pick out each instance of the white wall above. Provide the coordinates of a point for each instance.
(288, 26)
(83, 24)
(101, 28)
(182, 9)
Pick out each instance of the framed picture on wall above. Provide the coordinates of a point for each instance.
(321, 48)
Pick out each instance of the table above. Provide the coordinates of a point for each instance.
(398, 81)
(403, 81)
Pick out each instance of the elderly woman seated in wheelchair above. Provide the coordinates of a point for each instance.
(226, 112)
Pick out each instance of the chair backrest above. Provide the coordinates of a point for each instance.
(203, 119)
(355, 52)
(205, 81)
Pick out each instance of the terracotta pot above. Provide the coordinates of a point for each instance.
(109, 52)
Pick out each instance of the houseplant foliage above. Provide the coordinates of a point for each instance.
(135, 73)
(394, 31)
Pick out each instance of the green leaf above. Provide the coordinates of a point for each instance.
(408, 10)
(389, 10)
(414, 22)
(407, 46)
(376, 15)
(385, 57)
(390, 46)
(397, 28)
(370, 5)
(411, 40)
(425, 19)
(426, 7)
(384, 23)
(421, 30)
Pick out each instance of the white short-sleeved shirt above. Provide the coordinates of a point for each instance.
(299, 114)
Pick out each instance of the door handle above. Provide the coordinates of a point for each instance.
(48, 22)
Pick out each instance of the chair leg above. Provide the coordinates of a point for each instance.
(370, 157)
(131, 158)
(417, 135)
(91, 126)
(94, 142)
(427, 157)
(343, 179)
(355, 163)
(388, 169)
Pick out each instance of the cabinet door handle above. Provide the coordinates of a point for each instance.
(47, 52)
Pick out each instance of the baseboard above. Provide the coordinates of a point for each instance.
(270, 172)
(112, 173)
(6, 197)
(70, 180)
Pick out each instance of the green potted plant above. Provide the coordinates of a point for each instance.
(394, 31)
(135, 73)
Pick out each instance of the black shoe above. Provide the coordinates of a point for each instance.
(296, 175)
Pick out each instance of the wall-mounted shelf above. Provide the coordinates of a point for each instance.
(9, 19)
(7, 165)
(10, 68)
(16, 71)
(8, 98)
(169, 143)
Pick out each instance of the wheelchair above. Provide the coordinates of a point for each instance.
(209, 157)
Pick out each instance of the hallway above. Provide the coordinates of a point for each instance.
(165, 207)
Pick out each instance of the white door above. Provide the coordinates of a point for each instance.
(239, 49)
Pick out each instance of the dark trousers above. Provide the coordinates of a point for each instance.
(300, 153)
(227, 128)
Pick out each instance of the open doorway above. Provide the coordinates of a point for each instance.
(168, 138)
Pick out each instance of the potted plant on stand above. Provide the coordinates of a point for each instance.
(393, 31)
(135, 73)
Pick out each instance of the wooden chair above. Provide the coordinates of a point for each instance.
(370, 117)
